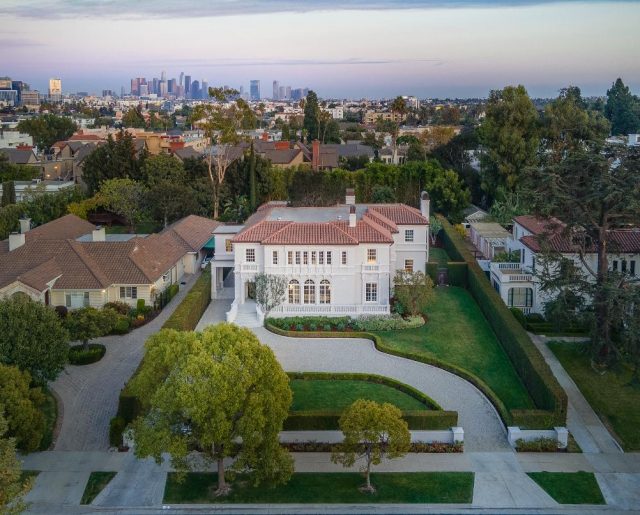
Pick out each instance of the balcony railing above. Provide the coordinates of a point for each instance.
(330, 309)
(511, 272)
(249, 267)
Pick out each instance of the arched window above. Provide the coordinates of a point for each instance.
(325, 292)
(294, 292)
(520, 297)
(309, 292)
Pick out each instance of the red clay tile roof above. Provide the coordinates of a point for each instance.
(400, 214)
(258, 232)
(538, 225)
(366, 231)
(380, 219)
(621, 241)
(310, 233)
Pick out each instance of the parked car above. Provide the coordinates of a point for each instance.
(206, 261)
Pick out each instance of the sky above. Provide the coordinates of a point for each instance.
(347, 49)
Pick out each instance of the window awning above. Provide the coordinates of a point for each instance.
(211, 244)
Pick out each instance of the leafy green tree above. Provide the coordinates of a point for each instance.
(510, 133)
(270, 290)
(414, 290)
(8, 193)
(208, 390)
(382, 195)
(622, 109)
(12, 487)
(32, 338)
(117, 159)
(435, 226)
(311, 124)
(169, 198)
(448, 194)
(11, 172)
(568, 125)
(371, 431)
(592, 192)
(124, 197)
(507, 205)
(133, 118)
(22, 408)
(46, 129)
(85, 324)
(222, 122)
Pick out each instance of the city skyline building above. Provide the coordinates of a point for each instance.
(276, 90)
(254, 89)
(55, 89)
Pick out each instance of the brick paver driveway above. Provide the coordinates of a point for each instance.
(89, 393)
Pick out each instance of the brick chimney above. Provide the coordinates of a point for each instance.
(424, 204)
(315, 155)
(350, 197)
(352, 215)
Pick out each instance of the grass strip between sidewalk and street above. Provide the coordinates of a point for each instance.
(327, 488)
(570, 487)
(95, 485)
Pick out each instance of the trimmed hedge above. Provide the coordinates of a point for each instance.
(117, 426)
(78, 355)
(327, 420)
(370, 378)
(457, 274)
(544, 389)
(188, 313)
(432, 271)
(379, 344)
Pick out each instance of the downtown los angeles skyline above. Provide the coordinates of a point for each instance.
(373, 49)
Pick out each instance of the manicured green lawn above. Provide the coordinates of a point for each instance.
(438, 255)
(610, 394)
(570, 487)
(417, 487)
(50, 410)
(457, 333)
(95, 485)
(327, 394)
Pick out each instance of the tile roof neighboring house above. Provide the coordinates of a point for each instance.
(18, 156)
(621, 241)
(187, 153)
(282, 157)
(196, 231)
(538, 225)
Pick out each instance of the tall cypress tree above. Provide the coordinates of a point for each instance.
(8, 193)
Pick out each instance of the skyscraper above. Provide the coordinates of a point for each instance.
(163, 76)
(276, 90)
(55, 89)
(195, 89)
(171, 86)
(254, 89)
(187, 84)
(181, 79)
(205, 89)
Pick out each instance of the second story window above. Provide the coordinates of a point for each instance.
(305, 258)
(408, 235)
(321, 257)
(228, 245)
(274, 257)
(250, 255)
(372, 256)
(328, 257)
(408, 265)
(343, 258)
(297, 257)
(313, 257)
(290, 258)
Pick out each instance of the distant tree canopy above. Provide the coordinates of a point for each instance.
(46, 129)
(622, 109)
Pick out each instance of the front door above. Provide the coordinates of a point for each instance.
(251, 291)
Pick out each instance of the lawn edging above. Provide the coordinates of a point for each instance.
(378, 343)
(534, 372)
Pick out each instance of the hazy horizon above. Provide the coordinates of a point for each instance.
(377, 49)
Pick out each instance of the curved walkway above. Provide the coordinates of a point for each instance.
(482, 426)
(89, 393)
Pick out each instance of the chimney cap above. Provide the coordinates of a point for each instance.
(424, 195)
(352, 209)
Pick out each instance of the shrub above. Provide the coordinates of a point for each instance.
(61, 311)
(385, 322)
(122, 308)
(519, 316)
(534, 317)
(78, 355)
(341, 326)
(326, 327)
(537, 445)
(173, 290)
(299, 327)
(122, 325)
(188, 313)
(546, 392)
(327, 420)
(142, 309)
(117, 426)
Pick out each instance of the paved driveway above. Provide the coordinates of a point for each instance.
(89, 393)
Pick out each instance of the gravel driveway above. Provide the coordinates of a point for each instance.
(89, 393)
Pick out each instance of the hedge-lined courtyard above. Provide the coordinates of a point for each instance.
(342, 487)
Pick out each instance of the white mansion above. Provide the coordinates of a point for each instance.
(338, 260)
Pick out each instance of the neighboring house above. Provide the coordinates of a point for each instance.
(24, 188)
(56, 265)
(517, 282)
(20, 156)
(490, 238)
(187, 153)
(337, 260)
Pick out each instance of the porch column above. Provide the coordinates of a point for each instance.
(214, 280)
